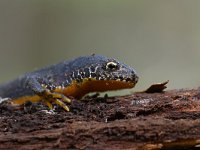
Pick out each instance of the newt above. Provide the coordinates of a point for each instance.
(55, 84)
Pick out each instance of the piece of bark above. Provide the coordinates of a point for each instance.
(168, 120)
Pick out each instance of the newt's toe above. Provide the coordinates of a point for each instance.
(56, 98)
(62, 104)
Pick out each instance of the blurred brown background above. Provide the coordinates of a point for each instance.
(160, 39)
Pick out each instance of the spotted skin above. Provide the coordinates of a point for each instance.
(74, 78)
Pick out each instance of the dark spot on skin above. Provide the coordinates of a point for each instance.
(87, 72)
(93, 75)
(92, 69)
(121, 78)
(115, 77)
(79, 80)
(100, 78)
(82, 73)
(77, 75)
(128, 79)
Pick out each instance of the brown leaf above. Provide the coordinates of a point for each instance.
(157, 87)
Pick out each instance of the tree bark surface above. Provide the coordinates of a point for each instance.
(167, 120)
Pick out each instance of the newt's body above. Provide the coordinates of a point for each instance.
(54, 84)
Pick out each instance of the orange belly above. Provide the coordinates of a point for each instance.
(78, 90)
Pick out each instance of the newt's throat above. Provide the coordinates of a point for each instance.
(78, 90)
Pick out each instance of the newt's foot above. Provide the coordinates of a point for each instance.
(57, 98)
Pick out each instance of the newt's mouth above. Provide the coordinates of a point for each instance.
(130, 80)
(133, 79)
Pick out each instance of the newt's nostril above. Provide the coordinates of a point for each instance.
(136, 78)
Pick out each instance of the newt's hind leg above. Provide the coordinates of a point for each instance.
(46, 95)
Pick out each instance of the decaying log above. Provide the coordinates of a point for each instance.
(168, 120)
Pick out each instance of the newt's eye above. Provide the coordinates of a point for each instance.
(111, 66)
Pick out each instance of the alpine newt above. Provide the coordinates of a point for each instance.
(74, 78)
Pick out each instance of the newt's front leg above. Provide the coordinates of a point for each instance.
(51, 97)
(40, 88)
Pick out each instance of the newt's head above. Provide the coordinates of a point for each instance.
(97, 73)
